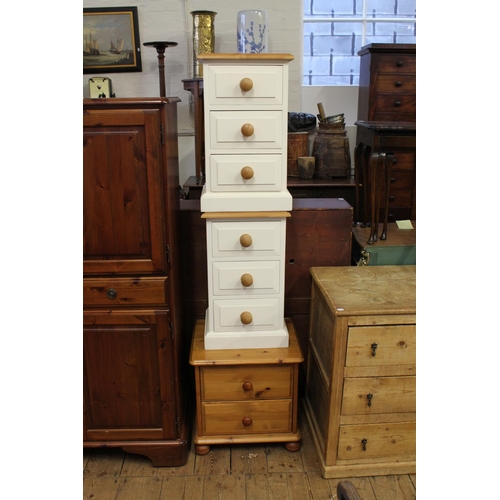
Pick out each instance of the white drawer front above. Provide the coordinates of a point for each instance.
(267, 238)
(266, 314)
(224, 85)
(226, 172)
(263, 276)
(225, 130)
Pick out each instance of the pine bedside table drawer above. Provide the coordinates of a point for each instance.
(397, 63)
(246, 130)
(247, 315)
(246, 278)
(124, 291)
(251, 417)
(378, 441)
(244, 173)
(247, 239)
(245, 85)
(370, 395)
(230, 383)
(381, 345)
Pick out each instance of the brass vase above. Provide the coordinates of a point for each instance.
(203, 37)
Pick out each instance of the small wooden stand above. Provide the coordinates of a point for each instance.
(247, 395)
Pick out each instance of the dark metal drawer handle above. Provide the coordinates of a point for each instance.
(363, 442)
(391, 198)
(399, 64)
(397, 104)
(398, 83)
(374, 349)
(112, 293)
(369, 397)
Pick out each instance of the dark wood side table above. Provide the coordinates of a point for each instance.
(195, 86)
(385, 164)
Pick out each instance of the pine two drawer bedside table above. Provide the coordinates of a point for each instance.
(361, 386)
(246, 395)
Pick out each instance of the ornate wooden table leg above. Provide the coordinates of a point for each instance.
(388, 169)
(376, 169)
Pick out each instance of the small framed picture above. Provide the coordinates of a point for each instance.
(111, 40)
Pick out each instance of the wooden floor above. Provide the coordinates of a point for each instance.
(239, 472)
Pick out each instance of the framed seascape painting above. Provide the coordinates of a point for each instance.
(111, 40)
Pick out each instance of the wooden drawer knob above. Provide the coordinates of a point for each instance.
(399, 64)
(398, 83)
(247, 172)
(247, 421)
(397, 104)
(246, 317)
(247, 386)
(245, 240)
(246, 84)
(246, 279)
(247, 129)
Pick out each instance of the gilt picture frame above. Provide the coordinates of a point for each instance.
(111, 41)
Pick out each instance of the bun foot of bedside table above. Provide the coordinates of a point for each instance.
(294, 446)
(201, 449)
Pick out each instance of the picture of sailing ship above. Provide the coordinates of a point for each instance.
(118, 47)
(91, 46)
(116, 28)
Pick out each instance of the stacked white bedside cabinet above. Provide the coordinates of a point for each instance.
(245, 200)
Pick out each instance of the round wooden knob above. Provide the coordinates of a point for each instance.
(247, 172)
(247, 421)
(246, 317)
(245, 240)
(247, 386)
(247, 279)
(247, 129)
(246, 84)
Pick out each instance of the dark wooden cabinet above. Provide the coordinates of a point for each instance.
(387, 82)
(135, 356)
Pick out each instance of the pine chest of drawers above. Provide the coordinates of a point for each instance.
(245, 396)
(360, 388)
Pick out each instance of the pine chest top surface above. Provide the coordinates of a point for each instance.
(378, 290)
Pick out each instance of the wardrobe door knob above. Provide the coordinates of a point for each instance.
(246, 317)
(247, 129)
(247, 279)
(245, 240)
(247, 172)
(246, 84)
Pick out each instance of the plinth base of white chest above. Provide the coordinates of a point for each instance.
(245, 201)
(245, 337)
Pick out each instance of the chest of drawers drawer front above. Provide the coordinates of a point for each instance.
(395, 84)
(265, 314)
(232, 383)
(266, 239)
(124, 291)
(372, 441)
(400, 103)
(381, 345)
(266, 130)
(365, 396)
(396, 63)
(246, 173)
(246, 278)
(248, 417)
(226, 82)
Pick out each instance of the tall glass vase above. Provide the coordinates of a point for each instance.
(252, 31)
(203, 37)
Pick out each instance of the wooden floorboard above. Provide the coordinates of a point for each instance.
(229, 472)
